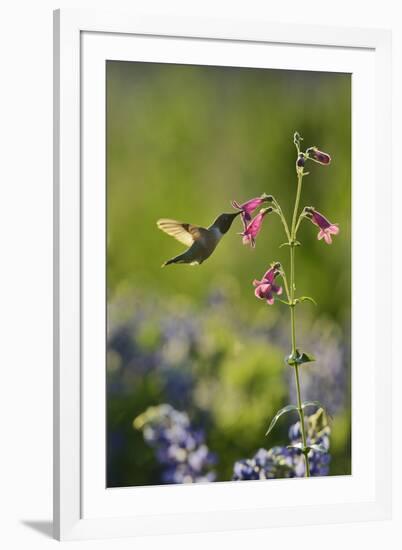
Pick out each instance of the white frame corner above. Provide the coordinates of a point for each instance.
(69, 27)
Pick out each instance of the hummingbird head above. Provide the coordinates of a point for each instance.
(224, 221)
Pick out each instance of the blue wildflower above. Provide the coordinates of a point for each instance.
(318, 432)
(179, 448)
(286, 462)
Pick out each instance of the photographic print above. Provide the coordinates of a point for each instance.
(228, 274)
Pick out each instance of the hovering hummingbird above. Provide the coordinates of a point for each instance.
(201, 242)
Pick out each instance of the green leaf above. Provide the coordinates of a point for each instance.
(296, 243)
(315, 404)
(305, 358)
(313, 447)
(307, 299)
(275, 419)
(299, 358)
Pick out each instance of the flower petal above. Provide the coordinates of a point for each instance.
(253, 228)
(270, 275)
(259, 293)
(320, 220)
(277, 289)
(252, 204)
(244, 220)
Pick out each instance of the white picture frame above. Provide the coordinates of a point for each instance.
(83, 506)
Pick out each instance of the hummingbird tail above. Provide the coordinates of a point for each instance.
(168, 262)
(175, 260)
(180, 259)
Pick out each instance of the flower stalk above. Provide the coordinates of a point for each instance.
(292, 305)
(267, 289)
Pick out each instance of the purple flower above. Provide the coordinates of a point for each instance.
(254, 227)
(318, 156)
(287, 462)
(179, 448)
(318, 433)
(247, 208)
(326, 227)
(266, 288)
(275, 463)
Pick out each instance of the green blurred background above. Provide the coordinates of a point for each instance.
(182, 142)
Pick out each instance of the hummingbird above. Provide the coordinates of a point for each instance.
(201, 241)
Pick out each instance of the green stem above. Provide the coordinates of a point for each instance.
(301, 415)
(301, 217)
(296, 208)
(285, 282)
(292, 295)
(283, 219)
(292, 319)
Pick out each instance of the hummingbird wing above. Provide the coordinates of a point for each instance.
(186, 233)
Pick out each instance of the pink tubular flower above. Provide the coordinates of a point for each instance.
(248, 207)
(254, 227)
(326, 227)
(266, 288)
(319, 156)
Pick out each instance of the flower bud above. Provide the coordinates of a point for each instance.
(318, 156)
(301, 160)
